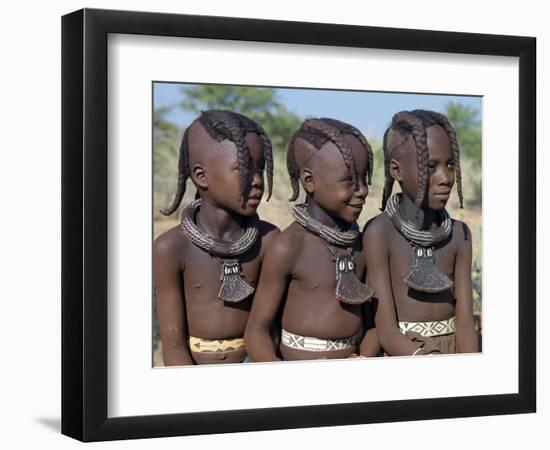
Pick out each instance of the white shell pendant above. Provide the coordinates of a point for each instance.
(349, 288)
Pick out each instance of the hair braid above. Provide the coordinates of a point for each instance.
(430, 118)
(346, 128)
(405, 120)
(317, 132)
(243, 154)
(314, 138)
(268, 157)
(293, 168)
(335, 136)
(228, 125)
(444, 122)
(416, 122)
(247, 125)
(250, 126)
(388, 179)
(183, 174)
(221, 125)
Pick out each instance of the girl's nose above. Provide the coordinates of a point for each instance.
(445, 177)
(257, 179)
(361, 189)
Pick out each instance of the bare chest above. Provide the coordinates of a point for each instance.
(410, 303)
(316, 265)
(402, 255)
(203, 273)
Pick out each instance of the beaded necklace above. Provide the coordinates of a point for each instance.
(424, 276)
(233, 289)
(349, 288)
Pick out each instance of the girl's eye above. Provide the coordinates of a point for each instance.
(451, 165)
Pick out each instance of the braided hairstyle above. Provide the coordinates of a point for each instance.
(221, 125)
(319, 131)
(415, 123)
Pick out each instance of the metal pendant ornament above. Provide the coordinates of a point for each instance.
(424, 276)
(233, 289)
(349, 288)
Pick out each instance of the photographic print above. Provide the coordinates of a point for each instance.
(367, 214)
(293, 207)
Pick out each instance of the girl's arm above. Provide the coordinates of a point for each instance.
(378, 274)
(370, 344)
(274, 278)
(466, 338)
(170, 301)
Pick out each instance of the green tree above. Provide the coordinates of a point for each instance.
(165, 157)
(467, 124)
(164, 131)
(260, 104)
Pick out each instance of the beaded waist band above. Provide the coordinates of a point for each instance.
(313, 344)
(199, 345)
(429, 329)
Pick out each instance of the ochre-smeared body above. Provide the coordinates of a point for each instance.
(311, 308)
(412, 305)
(224, 154)
(298, 280)
(420, 136)
(206, 316)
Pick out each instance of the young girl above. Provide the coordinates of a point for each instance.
(419, 259)
(206, 268)
(312, 271)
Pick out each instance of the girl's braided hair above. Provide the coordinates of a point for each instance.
(415, 123)
(221, 125)
(317, 132)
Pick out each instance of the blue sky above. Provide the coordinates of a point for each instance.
(371, 112)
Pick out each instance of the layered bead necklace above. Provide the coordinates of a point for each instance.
(424, 276)
(233, 288)
(349, 288)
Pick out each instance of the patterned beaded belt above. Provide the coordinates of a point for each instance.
(313, 344)
(200, 345)
(429, 329)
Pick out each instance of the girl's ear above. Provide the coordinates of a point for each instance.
(395, 170)
(308, 180)
(199, 176)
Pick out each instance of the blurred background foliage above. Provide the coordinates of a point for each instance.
(265, 106)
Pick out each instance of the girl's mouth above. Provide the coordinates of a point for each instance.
(442, 195)
(253, 201)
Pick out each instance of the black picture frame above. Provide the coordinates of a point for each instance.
(84, 224)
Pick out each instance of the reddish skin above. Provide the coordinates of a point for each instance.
(388, 254)
(187, 278)
(298, 275)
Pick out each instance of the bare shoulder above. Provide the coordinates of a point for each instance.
(379, 227)
(268, 231)
(171, 243)
(287, 243)
(462, 233)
